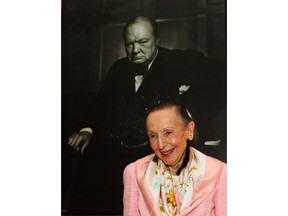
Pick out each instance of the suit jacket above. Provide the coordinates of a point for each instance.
(209, 194)
(120, 112)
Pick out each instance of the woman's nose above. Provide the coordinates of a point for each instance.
(161, 143)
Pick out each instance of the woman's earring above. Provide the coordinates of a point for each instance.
(190, 138)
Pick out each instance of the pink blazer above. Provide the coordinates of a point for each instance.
(209, 195)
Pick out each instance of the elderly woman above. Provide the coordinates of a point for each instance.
(177, 179)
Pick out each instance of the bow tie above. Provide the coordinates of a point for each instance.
(141, 70)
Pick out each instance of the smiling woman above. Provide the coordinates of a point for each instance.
(168, 181)
(168, 136)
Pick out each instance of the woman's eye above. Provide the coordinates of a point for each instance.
(167, 133)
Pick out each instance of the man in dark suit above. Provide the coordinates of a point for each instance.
(149, 74)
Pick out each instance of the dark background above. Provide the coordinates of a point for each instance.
(91, 42)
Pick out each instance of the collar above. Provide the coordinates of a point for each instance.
(149, 65)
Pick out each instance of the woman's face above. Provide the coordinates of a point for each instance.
(168, 135)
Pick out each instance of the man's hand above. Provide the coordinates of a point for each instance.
(80, 140)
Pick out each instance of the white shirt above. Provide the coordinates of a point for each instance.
(139, 78)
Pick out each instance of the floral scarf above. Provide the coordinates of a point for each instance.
(174, 193)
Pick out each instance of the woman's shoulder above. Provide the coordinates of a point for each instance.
(209, 159)
(213, 168)
(216, 162)
(140, 162)
(146, 159)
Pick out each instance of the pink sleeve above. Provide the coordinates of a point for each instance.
(130, 196)
(221, 194)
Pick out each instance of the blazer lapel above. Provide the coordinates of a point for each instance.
(151, 205)
(204, 188)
